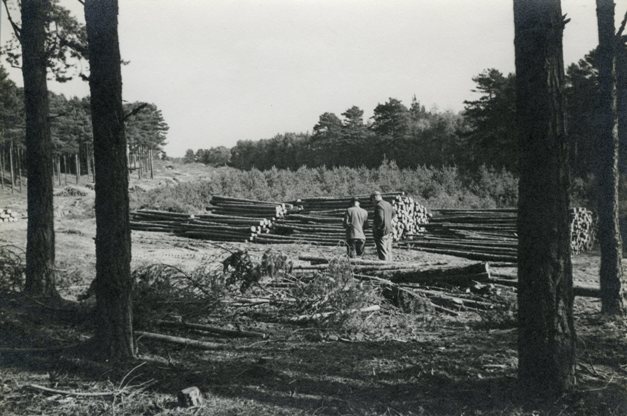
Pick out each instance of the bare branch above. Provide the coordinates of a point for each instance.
(135, 110)
(622, 26)
(16, 28)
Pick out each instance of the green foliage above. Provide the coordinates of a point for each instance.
(189, 156)
(443, 187)
(216, 156)
(145, 127)
(240, 270)
(65, 45)
(491, 120)
(391, 119)
(12, 268)
(164, 291)
(337, 292)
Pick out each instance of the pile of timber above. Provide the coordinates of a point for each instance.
(208, 226)
(223, 205)
(319, 220)
(583, 229)
(8, 215)
(490, 234)
(475, 234)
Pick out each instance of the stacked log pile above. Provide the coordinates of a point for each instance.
(319, 220)
(485, 235)
(583, 229)
(490, 234)
(228, 219)
(205, 226)
(8, 215)
(223, 205)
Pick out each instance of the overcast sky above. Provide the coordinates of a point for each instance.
(225, 70)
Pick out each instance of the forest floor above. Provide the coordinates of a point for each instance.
(392, 363)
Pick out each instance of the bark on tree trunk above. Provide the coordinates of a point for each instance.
(77, 165)
(546, 340)
(11, 167)
(607, 168)
(621, 81)
(58, 162)
(65, 169)
(114, 330)
(18, 169)
(2, 166)
(40, 279)
(88, 160)
(152, 175)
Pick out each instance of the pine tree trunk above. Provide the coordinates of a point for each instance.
(18, 169)
(139, 163)
(621, 83)
(152, 175)
(607, 168)
(11, 167)
(2, 166)
(114, 330)
(77, 165)
(65, 169)
(88, 160)
(40, 279)
(58, 161)
(621, 80)
(546, 336)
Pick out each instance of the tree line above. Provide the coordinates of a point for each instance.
(483, 134)
(71, 134)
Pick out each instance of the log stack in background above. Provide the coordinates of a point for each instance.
(223, 205)
(8, 215)
(227, 219)
(476, 234)
(583, 229)
(319, 220)
(490, 234)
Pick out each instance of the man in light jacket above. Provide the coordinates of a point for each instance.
(355, 220)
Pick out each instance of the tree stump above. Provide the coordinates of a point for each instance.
(189, 397)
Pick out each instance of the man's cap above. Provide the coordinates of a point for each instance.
(354, 199)
(375, 193)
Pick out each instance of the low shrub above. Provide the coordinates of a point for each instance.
(445, 187)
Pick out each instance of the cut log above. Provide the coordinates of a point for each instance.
(214, 329)
(188, 342)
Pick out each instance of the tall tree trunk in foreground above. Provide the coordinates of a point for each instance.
(607, 159)
(40, 279)
(546, 336)
(114, 329)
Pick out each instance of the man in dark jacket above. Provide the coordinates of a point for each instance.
(382, 227)
(355, 220)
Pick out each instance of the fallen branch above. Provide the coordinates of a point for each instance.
(72, 393)
(179, 340)
(214, 329)
(322, 315)
(46, 349)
